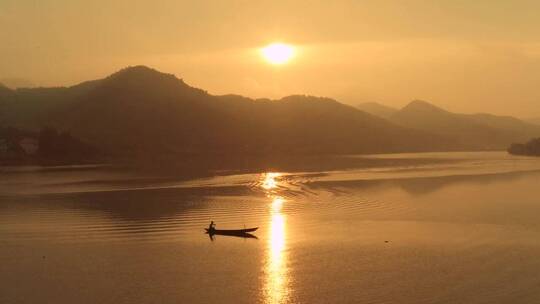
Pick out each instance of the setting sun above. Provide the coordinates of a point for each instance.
(278, 53)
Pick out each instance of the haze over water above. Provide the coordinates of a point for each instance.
(429, 228)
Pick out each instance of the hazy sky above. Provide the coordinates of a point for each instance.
(466, 56)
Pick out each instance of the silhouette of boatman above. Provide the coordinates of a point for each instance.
(212, 226)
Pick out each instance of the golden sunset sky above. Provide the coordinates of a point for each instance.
(465, 56)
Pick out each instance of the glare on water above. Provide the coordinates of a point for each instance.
(275, 288)
(269, 180)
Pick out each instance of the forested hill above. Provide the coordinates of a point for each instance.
(141, 111)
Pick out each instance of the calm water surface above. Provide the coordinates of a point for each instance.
(464, 228)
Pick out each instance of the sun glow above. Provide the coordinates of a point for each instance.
(278, 53)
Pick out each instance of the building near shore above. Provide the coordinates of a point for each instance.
(29, 145)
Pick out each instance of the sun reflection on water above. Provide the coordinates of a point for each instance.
(276, 281)
(269, 180)
(276, 285)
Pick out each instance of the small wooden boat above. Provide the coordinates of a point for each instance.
(239, 232)
(244, 235)
(230, 231)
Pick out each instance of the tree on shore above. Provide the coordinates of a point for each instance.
(531, 148)
(62, 146)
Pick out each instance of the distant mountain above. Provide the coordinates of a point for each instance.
(140, 111)
(377, 109)
(14, 82)
(508, 123)
(535, 121)
(5, 96)
(5, 91)
(475, 131)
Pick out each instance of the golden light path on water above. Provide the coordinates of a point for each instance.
(275, 268)
(269, 181)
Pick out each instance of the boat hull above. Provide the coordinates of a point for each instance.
(230, 232)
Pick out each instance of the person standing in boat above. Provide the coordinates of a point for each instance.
(212, 226)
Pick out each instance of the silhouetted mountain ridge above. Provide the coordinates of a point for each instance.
(475, 131)
(144, 79)
(535, 121)
(140, 111)
(421, 105)
(376, 109)
(5, 92)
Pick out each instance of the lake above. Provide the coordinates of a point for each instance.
(409, 228)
